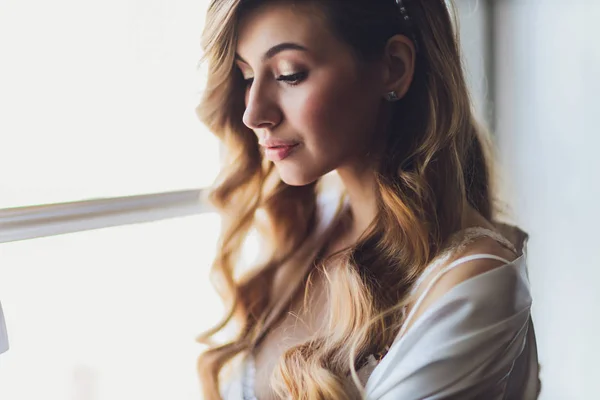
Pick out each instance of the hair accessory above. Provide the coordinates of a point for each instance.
(408, 21)
(391, 96)
(403, 11)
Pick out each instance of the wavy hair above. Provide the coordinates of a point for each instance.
(435, 162)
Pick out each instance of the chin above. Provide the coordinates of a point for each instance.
(297, 178)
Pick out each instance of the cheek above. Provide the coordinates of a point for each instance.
(323, 113)
(336, 113)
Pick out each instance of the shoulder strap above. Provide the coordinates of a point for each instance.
(458, 242)
(437, 277)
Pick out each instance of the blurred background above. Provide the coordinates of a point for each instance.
(106, 243)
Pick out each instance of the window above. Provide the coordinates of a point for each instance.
(108, 314)
(98, 100)
(98, 103)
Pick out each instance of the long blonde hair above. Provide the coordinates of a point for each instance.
(435, 163)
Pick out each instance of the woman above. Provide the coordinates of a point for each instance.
(405, 288)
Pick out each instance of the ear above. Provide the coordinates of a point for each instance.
(399, 65)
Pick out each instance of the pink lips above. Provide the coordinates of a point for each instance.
(277, 150)
(278, 153)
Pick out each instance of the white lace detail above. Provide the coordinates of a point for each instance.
(458, 242)
(476, 232)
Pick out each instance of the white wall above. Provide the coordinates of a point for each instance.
(475, 39)
(548, 62)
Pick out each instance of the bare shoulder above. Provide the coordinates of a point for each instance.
(436, 285)
(469, 269)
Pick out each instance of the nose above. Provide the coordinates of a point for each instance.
(262, 110)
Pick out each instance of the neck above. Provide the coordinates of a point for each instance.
(359, 181)
(361, 189)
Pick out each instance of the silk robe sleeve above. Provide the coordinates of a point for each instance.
(464, 345)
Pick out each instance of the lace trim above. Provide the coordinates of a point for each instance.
(458, 242)
(476, 232)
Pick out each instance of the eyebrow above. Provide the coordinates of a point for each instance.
(273, 51)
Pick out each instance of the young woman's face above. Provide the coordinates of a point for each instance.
(313, 107)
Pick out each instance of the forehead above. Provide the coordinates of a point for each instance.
(281, 22)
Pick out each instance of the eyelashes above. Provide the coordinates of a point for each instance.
(291, 79)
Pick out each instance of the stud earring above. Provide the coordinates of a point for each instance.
(391, 96)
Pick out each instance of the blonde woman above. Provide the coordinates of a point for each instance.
(399, 285)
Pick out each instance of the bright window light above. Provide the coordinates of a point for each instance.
(98, 100)
(109, 314)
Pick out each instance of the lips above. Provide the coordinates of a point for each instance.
(280, 152)
(278, 149)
